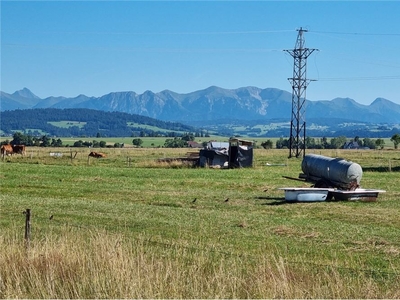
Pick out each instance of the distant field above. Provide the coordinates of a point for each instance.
(67, 124)
(128, 226)
(259, 129)
(149, 127)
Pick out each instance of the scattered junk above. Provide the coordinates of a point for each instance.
(56, 154)
(214, 155)
(332, 178)
(306, 194)
(273, 165)
(358, 194)
(240, 153)
(235, 154)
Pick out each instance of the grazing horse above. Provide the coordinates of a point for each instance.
(19, 149)
(97, 154)
(6, 150)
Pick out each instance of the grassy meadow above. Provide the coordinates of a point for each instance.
(127, 226)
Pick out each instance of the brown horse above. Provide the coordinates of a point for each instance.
(97, 154)
(6, 150)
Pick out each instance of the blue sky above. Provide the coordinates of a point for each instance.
(67, 48)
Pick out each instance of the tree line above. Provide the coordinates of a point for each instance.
(20, 138)
(341, 142)
(182, 140)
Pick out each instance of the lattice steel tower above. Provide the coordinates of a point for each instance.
(299, 82)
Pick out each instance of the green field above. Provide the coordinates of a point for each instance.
(127, 226)
(67, 124)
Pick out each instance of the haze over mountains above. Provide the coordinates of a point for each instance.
(212, 104)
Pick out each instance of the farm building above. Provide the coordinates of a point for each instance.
(351, 145)
(234, 154)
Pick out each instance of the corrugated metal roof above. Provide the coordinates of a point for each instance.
(219, 145)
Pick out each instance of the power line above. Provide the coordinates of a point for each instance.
(359, 78)
(150, 33)
(141, 49)
(357, 33)
(194, 32)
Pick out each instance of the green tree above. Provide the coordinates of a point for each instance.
(367, 142)
(36, 142)
(188, 136)
(137, 142)
(19, 139)
(396, 140)
(175, 143)
(310, 142)
(30, 141)
(324, 143)
(56, 143)
(338, 142)
(281, 143)
(45, 141)
(102, 144)
(380, 143)
(78, 143)
(22, 139)
(87, 144)
(267, 144)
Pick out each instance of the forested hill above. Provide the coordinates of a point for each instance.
(85, 122)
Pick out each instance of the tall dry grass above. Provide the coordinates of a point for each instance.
(174, 248)
(103, 265)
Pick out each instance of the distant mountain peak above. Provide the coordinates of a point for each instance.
(210, 104)
(26, 93)
(382, 104)
(346, 102)
(380, 100)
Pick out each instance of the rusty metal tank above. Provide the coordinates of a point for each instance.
(336, 170)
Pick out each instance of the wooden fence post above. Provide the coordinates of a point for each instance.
(27, 227)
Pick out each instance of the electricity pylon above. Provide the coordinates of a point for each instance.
(299, 82)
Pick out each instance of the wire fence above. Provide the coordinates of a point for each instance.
(370, 160)
(375, 273)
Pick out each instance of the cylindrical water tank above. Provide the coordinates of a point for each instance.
(333, 169)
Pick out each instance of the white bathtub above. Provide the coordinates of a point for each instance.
(306, 194)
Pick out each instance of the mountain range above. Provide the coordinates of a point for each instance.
(212, 104)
